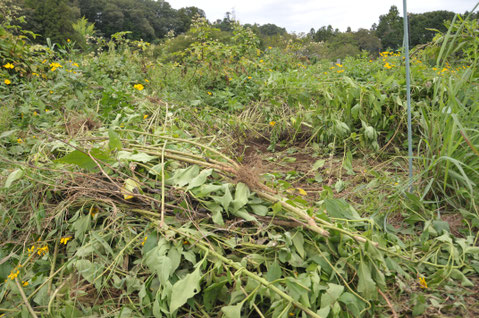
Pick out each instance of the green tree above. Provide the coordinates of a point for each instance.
(186, 16)
(51, 18)
(420, 23)
(367, 40)
(324, 34)
(390, 29)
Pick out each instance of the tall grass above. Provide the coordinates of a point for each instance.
(450, 125)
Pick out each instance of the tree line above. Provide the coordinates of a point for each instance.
(152, 21)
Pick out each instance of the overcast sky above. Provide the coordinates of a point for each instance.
(302, 15)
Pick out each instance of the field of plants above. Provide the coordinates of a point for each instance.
(226, 180)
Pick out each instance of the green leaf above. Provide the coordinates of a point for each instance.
(241, 196)
(319, 164)
(332, 294)
(41, 298)
(348, 163)
(114, 142)
(274, 272)
(456, 274)
(210, 294)
(259, 209)
(13, 176)
(233, 311)
(226, 199)
(339, 208)
(339, 186)
(419, 306)
(242, 213)
(140, 157)
(216, 211)
(185, 288)
(298, 241)
(184, 176)
(83, 160)
(199, 179)
(160, 264)
(354, 304)
(88, 270)
(7, 133)
(366, 285)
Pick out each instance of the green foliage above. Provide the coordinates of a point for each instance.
(390, 29)
(51, 19)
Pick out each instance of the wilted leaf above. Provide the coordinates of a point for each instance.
(114, 142)
(339, 208)
(199, 179)
(185, 288)
(241, 196)
(13, 176)
(233, 311)
(366, 285)
(332, 294)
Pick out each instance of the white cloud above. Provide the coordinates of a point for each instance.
(302, 15)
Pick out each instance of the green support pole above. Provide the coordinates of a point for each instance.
(408, 93)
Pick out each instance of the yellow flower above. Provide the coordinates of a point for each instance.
(31, 249)
(13, 274)
(35, 113)
(54, 66)
(422, 282)
(144, 240)
(434, 68)
(340, 71)
(272, 123)
(64, 240)
(9, 65)
(387, 65)
(209, 93)
(51, 92)
(43, 250)
(24, 283)
(138, 87)
(46, 110)
(261, 61)
(249, 77)
(325, 73)
(44, 61)
(68, 40)
(145, 116)
(370, 61)
(19, 140)
(339, 65)
(396, 183)
(35, 74)
(269, 47)
(7, 82)
(147, 80)
(75, 64)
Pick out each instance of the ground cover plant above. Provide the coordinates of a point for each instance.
(226, 180)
